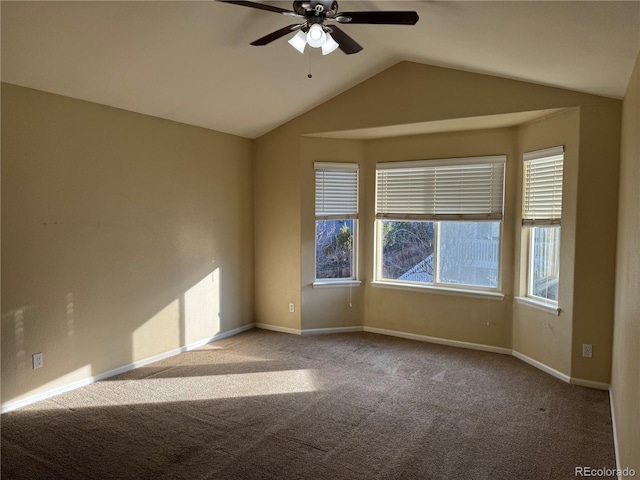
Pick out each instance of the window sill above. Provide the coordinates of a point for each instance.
(545, 307)
(336, 283)
(460, 292)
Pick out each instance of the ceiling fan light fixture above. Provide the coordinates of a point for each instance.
(299, 41)
(329, 46)
(316, 36)
(311, 24)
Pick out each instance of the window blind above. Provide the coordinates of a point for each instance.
(451, 189)
(542, 192)
(336, 190)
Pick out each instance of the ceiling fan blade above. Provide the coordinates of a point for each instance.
(262, 6)
(347, 44)
(379, 18)
(276, 35)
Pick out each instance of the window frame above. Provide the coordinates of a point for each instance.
(353, 279)
(436, 285)
(352, 215)
(530, 260)
(552, 219)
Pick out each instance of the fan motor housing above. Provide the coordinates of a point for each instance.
(309, 8)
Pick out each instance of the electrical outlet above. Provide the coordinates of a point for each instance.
(38, 360)
(587, 350)
(292, 307)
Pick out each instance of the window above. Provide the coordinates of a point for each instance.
(544, 263)
(541, 215)
(336, 221)
(438, 222)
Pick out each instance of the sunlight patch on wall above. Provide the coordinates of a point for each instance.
(71, 324)
(193, 316)
(202, 308)
(160, 333)
(18, 323)
(13, 331)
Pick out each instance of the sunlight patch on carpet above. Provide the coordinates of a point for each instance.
(187, 389)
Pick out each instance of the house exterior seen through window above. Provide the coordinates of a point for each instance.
(334, 249)
(462, 253)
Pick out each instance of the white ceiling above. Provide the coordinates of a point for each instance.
(191, 61)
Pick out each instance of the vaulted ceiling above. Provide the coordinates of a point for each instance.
(191, 61)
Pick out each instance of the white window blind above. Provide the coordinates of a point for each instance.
(542, 192)
(336, 190)
(451, 189)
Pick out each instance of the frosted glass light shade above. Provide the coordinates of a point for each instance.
(316, 36)
(299, 41)
(329, 46)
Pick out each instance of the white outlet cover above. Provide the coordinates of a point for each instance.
(38, 360)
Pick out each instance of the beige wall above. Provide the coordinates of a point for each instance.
(411, 93)
(625, 378)
(276, 166)
(545, 336)
(334, 306)
(123, 236)
(475, 320)
(595, 252)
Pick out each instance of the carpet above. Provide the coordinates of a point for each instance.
(266, 405)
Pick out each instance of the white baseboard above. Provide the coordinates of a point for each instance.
(23, 402)
(7, 407)
(276, 328)
(581, 382)
(615, 431)
(439, 341)
(392, 333)
(443, 341)
(541, 366)
(315, 331)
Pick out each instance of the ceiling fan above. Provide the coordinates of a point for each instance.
(315, 32)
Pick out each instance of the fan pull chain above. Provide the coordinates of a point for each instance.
(309, 74)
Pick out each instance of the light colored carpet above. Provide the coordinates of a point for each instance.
(264, 405)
